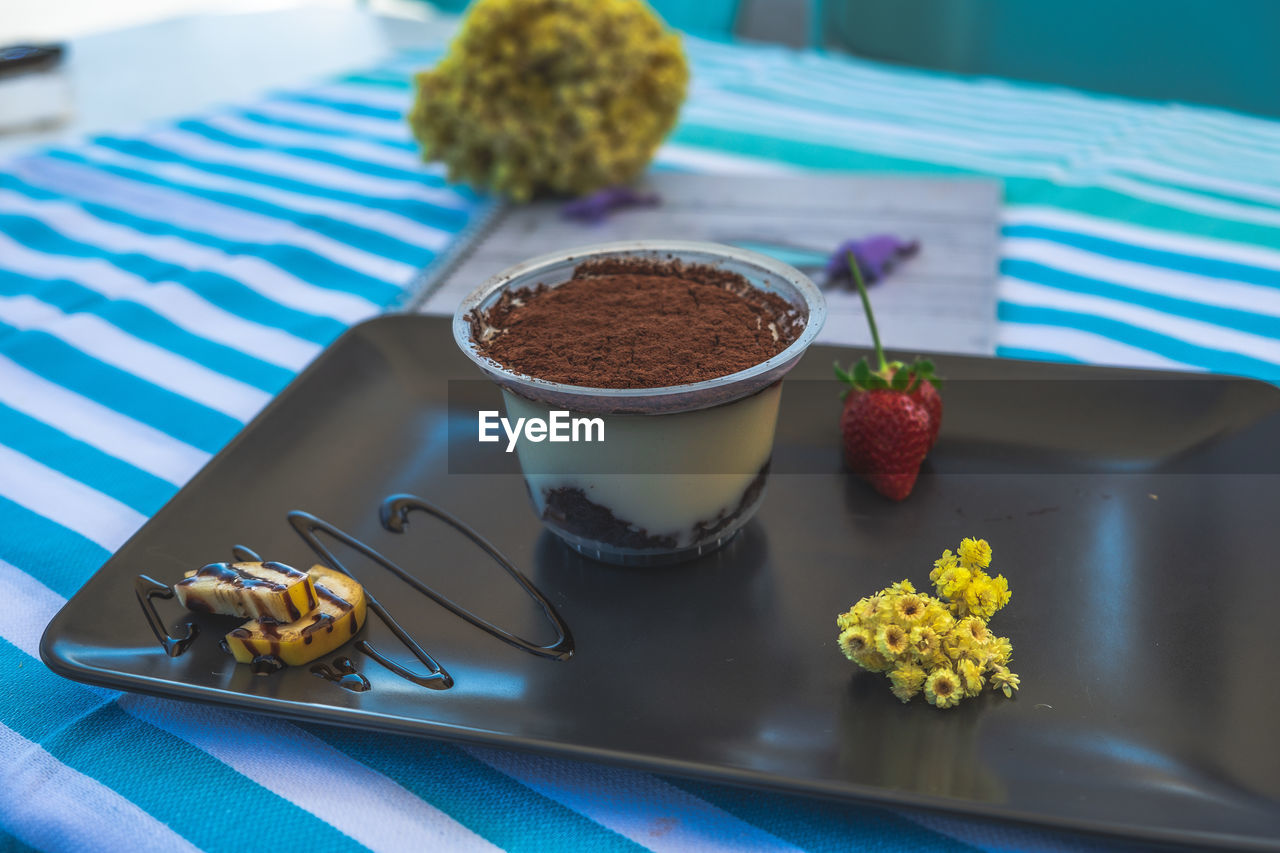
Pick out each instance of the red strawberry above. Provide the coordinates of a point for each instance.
(926, 394)
(891, 415)
(886, 437)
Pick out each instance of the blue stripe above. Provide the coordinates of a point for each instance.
(1218, 361)
(82, 462)
(59, 557)
(355, 236)
(1211, 267)
(351, 107)
(456, 219)
(304, 263)
(1036, 355)
(384, 80)
(1228, 318)
(11, 843)
(147, 325)
(422, 212)
(162, 774)
(475, 795)
(813, 824)
(405, 144)
(218, 289)
(63, 364)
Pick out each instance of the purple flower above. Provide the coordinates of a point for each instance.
(876, 255)
(595, 208)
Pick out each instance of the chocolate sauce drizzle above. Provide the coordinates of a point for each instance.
(148, 589)
(394, 514)
(343, 673)
(245, 554)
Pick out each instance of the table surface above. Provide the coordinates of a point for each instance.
(158, 287)
(123, 79)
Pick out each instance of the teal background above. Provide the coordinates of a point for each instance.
(1224, 53)
(705, 17)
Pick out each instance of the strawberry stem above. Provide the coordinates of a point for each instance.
(866, 306)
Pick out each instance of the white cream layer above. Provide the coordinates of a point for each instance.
(660, 473)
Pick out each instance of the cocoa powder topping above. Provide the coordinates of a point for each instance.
(636, 324)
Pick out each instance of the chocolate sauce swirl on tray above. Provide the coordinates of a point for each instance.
(149, 589)
(394, 515)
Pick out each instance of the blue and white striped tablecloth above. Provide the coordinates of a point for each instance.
(157, 289)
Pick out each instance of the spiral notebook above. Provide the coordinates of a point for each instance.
(941, 300)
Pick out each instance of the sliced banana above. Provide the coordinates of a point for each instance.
(249, 590)
(339, 614)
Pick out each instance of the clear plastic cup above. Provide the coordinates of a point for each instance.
(681, 468)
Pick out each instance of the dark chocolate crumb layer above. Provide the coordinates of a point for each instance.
(572, 511)
(629, 323)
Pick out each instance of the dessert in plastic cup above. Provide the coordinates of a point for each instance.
(704, 333)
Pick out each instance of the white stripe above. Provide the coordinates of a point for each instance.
(854, 129)
(97, 517)
(188, 311)
(1084, 346)
(1195, 332)
(636, 805)
(1221, 292)
(314, 172)
(109, 344)
(288, 137)
(1183, 200)
(1253, 191)
(136, 443)
(49, 806)
(312, 775)
(1141, 235)
(300, 768)
(370, 96)
(991, 154)
(901, 103)
(177, 304)
(372, 218)
(1090, 124)
(191, 212)
(254, 273)
(940, 147)
(29, 607)
(317, 116)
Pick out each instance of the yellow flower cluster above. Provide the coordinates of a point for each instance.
(551, 96)
(939, 645)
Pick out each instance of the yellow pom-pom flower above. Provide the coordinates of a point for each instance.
(971, 679)
(1000, 651)
(925, 644)
(953, 581)
(975, 553)
(942, 564)
(942, 688)
(867, 609)
(909, 609)
(846, 620)
(922, 642)
(856, 641)
(902, 587)
(907, 681)
(892, 641)
(551, 96)
(1004, 680)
